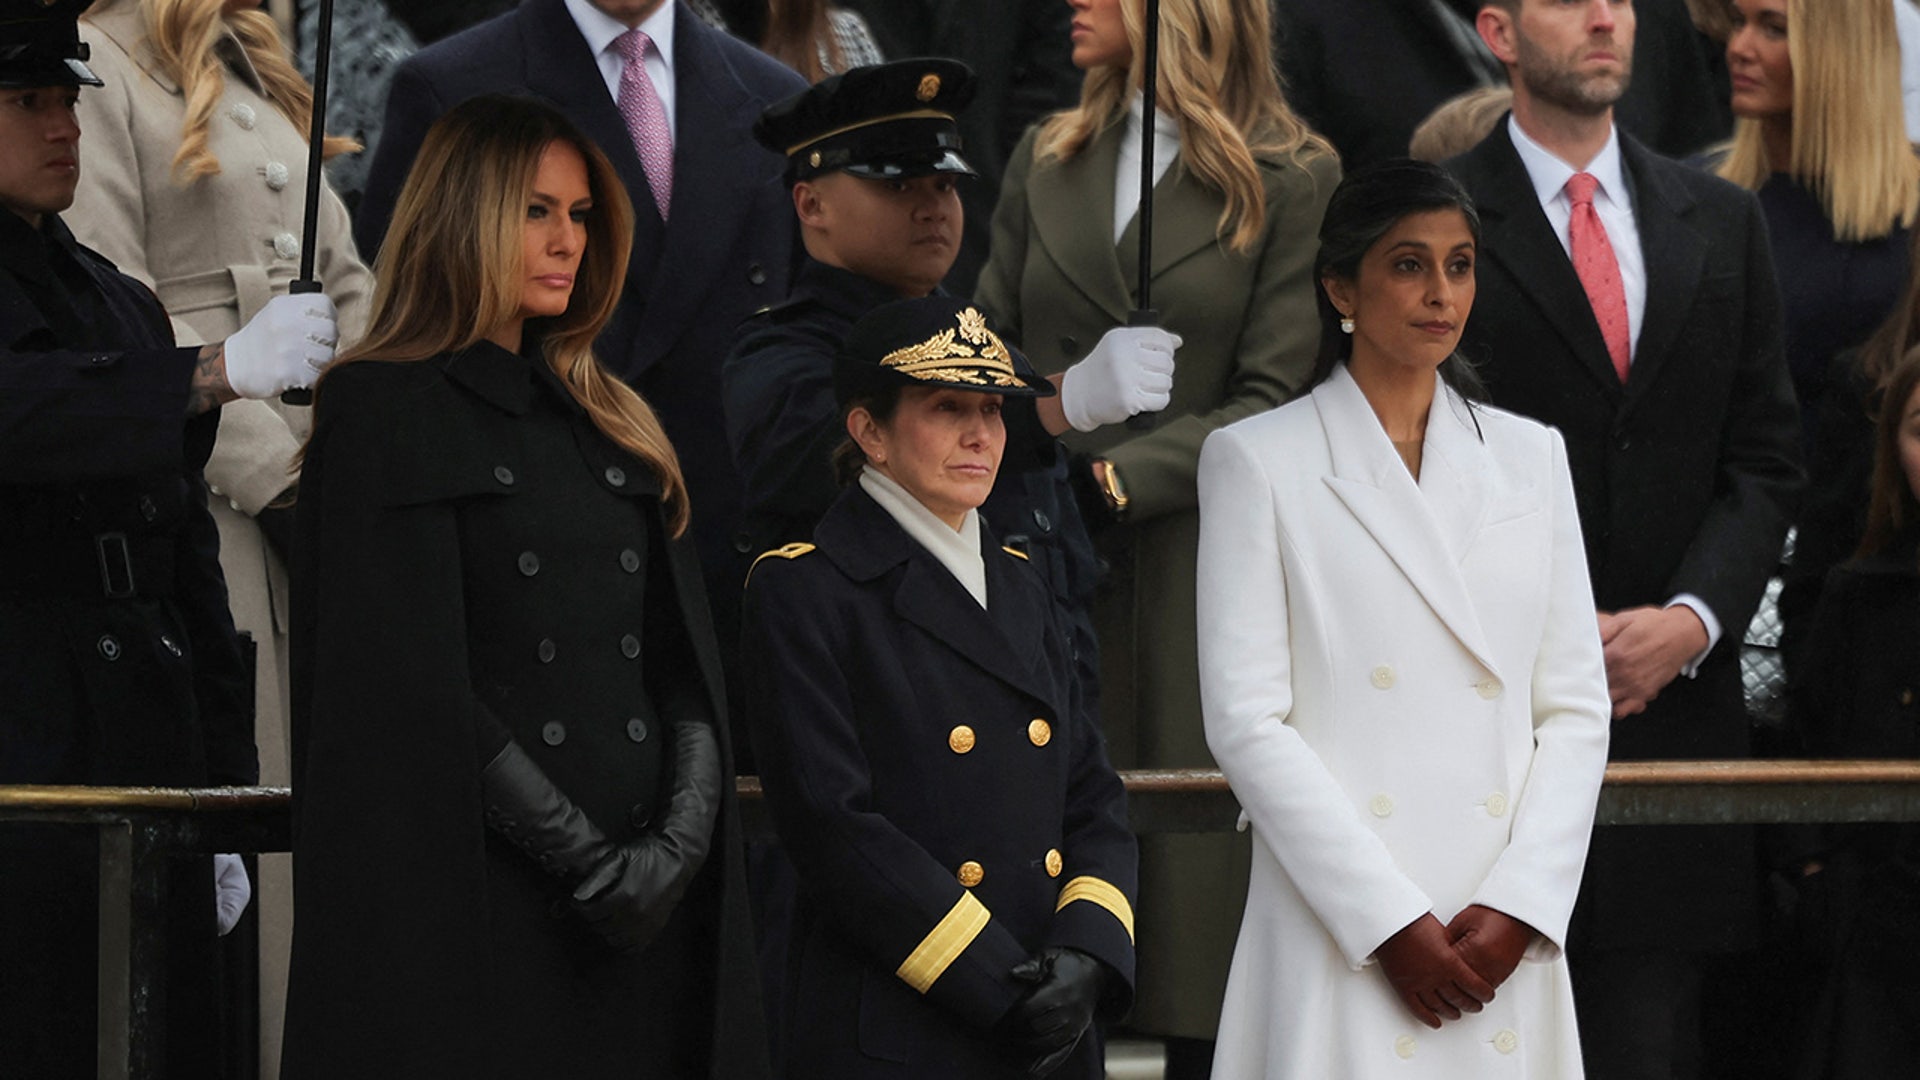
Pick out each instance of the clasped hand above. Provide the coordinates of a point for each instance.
(1645, 649)
(1443, 972)
(1065, 987)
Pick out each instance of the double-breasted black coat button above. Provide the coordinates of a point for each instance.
(553, 733)
(637, 730)
(639, 817)
(148, 511)
(1044, 522)
(616, 476)
(630, 647)
(503, 474)
(756, 275)
(529, 563)
(630, 561)
(167, 643)
(547, 650)
(109, 647)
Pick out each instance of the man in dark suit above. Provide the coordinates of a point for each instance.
(713, 240)
(1364, 73)
(1630, 302)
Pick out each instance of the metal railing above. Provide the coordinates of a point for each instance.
(139, 828)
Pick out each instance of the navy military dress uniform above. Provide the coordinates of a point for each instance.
(117, 652)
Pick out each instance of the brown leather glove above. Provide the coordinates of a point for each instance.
(1491, 942)
(1429, 975)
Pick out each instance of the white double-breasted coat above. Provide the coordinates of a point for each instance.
(1403, 684)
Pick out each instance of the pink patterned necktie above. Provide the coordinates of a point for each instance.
(646, 117)
(1599, 271)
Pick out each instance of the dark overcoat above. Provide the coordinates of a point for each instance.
(1685, 478)
(477, 563)
(947, 803)
(118, 657)
(724, 252)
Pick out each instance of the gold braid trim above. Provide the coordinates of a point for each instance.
(1093, 890)
(939, 949)
(933, 360)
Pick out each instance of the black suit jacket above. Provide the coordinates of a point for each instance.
(1686, 477)
(725, 253)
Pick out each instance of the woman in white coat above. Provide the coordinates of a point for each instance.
(1402, 680)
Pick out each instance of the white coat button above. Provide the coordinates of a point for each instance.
(1497, 805)
(1403, 1046)
(286, 245)
(1488, 688)
(235, 503)
(1383, 677)
(243, 115)
(1381, 806)
(1506, 1042)
(277, 176)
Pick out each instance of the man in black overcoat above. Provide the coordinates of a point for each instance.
(117, 653)
(1686, 473)
(723, 250)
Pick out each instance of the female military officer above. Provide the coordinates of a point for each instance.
(966, 873)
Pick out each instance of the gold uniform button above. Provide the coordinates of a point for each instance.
(1382, 677)
(1497, 804)
(1506, 1042)
(971, 873)
(960, 739)
(1403, 1046)
(1055, 863)
(1040, 732)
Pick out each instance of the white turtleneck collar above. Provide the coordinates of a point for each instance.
(957, 550)
(1126, 179)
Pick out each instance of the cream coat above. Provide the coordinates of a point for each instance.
(214, 253)
(1403, 683)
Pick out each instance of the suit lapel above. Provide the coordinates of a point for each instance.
(1675, 255)
(1185, 220)
(1071, 204)
(1369, 477)
(1517, 236)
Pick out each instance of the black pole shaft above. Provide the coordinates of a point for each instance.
(316, 144)
(1150, 92)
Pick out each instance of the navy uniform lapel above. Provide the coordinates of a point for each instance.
(1072, 211)
(1517, 236)
(1675, 255)
(865, 542)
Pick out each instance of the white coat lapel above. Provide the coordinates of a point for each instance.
(1423, 529)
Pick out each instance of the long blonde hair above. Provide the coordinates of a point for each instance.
(182, 35)
(1218, 80)
(1849, 133)
(449, 271)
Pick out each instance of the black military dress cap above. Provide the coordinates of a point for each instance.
(936, 341)
(881, 122)
(40, 44)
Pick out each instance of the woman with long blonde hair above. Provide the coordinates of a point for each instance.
(512, 760)
(1820, 135)
(1242, 185)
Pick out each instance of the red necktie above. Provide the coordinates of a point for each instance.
(1599, 271)
(646, 117)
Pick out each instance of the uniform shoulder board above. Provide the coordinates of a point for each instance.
(1015, 552)
(784, 551)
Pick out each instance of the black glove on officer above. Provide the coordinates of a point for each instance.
(523, 806)
(629, 896)
(1049, 1019)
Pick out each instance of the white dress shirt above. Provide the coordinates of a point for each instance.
(600, 29)
(1126, 178)
(1613, 201)
(957, 549)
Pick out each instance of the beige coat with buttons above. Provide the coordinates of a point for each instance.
(1403, 683)
(215, 252)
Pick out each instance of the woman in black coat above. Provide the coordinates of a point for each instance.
(966, 872)
(1857, 695)
(510, 758)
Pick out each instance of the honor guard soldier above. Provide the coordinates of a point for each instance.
(120, 660)
(966, 871)
(874, 158)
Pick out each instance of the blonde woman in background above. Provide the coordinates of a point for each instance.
(1242, 184)
(195, 184)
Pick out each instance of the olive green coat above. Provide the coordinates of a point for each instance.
(1055, 282)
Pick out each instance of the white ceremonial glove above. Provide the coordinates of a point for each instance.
(287, 345)
(231, 891)
(1130, 371)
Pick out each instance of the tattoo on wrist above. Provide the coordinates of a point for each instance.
(209, 387)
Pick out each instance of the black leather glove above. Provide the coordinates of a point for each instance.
(1049, 1019)
(629, 896)
(522, 805)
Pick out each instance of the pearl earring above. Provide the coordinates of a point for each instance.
(1346, 324)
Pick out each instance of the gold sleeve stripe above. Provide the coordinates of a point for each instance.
(939, 949)
(1093, 890)
(785, 551)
